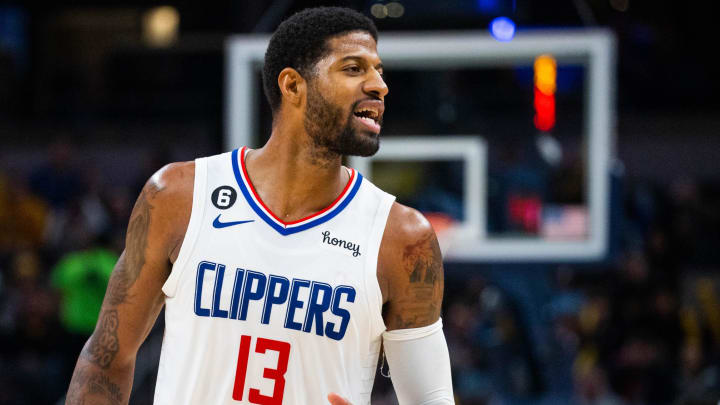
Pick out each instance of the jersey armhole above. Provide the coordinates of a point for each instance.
(196, 215)
(372, 285)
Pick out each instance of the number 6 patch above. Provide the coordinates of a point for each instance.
(224, 197)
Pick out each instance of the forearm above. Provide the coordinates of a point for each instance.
(419, 365)
(92, 384)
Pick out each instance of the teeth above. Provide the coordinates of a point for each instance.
(368, 119)
(373, 114)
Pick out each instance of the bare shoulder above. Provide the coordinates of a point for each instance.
(174, 180)
(167, 198)
(406, 231)
(406, 222)
(410, 271)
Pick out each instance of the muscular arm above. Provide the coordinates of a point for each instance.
(410, 270)
(410, 273)
(104, 371)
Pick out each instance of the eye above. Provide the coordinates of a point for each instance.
(353, 69)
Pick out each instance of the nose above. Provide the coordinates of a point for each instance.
(376, 86)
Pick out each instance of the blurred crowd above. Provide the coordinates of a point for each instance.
(641, 328)
(61, 231)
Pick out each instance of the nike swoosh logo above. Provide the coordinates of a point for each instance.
(218, 224)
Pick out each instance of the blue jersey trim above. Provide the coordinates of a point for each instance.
(293, 228)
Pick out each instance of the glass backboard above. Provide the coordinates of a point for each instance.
(461, 142)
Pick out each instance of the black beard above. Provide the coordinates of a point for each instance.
(331, 133)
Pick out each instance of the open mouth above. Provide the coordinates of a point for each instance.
(369, 117)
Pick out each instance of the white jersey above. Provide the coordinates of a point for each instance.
(261, 311)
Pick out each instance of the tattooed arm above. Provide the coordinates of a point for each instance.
(104, 371)
(410, 270)
(410, 274)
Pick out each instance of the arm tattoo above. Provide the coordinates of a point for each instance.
(103, 345)
(101, 384)
(96, 359)
(421, 301)
(97, 384)
(129, 265)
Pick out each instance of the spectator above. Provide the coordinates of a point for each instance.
(30, 356)
(23, 216)
(81, 278)
(57, 181)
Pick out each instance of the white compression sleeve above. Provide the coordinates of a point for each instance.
(419, 365)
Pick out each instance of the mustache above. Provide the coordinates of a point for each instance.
(355, 104)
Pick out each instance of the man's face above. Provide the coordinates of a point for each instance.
(345, 97)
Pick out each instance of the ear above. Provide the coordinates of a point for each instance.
(292, 86)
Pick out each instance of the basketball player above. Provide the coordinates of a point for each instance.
(281, 270)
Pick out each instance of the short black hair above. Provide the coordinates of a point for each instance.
(301, 40)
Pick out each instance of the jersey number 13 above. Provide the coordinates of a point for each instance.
(277, 374)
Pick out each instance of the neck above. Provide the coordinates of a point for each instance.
(292, 177)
